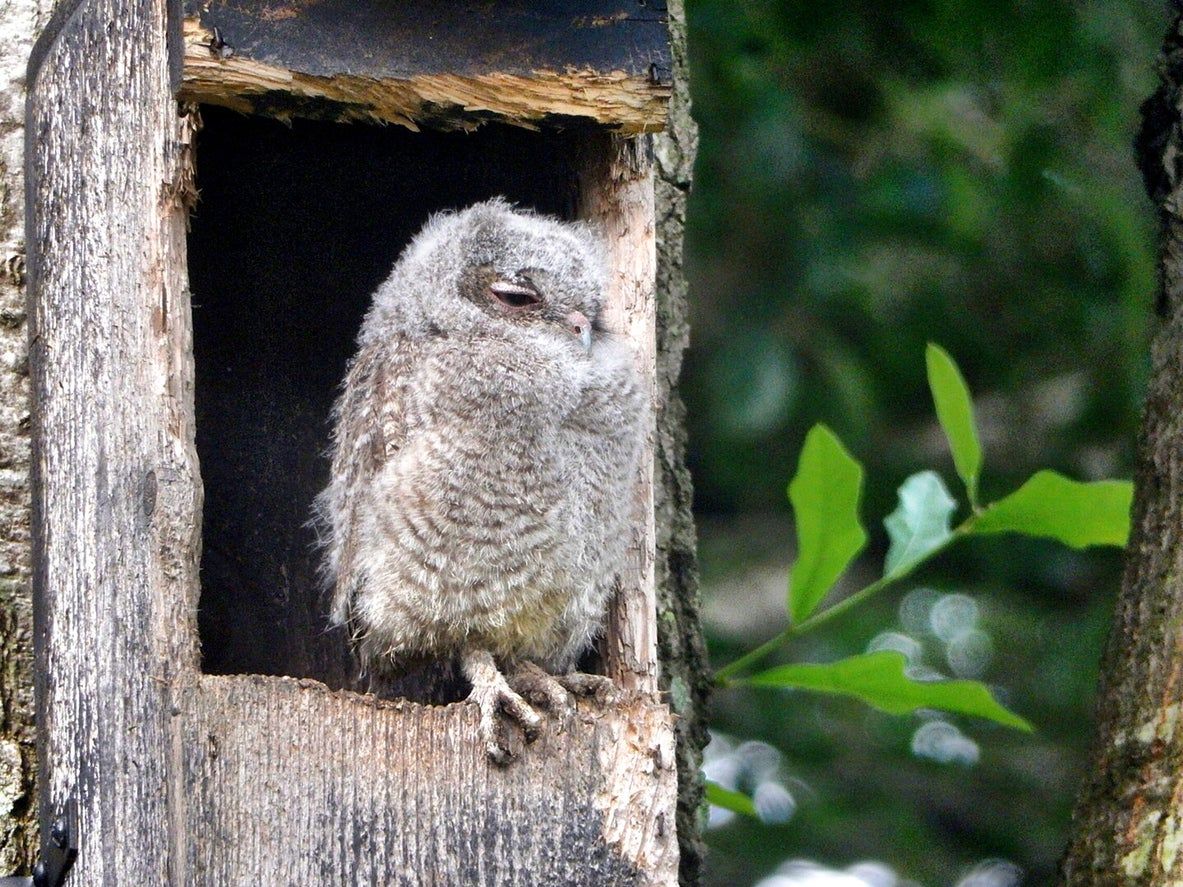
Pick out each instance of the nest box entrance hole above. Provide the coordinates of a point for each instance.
(295, 227)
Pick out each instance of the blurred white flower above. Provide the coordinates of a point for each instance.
(717, 817)
(774, 803)
(942, 742)
(752, 768)
(919, 672)
(719, 762)
(721, 766)
(894, 640)
(760, 760)
(969, 653)
(876, 874)
(803, 873)
(953, 614)
(993, 873)
(915, 609)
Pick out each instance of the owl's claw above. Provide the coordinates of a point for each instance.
(492, 694)
(602, 688)
(555, 691)
(541, 688)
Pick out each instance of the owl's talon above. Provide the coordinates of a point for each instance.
(494, 697)
(541, 688)
(599, 686)
(519, 710)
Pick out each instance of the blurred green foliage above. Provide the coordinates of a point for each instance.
(871, 177)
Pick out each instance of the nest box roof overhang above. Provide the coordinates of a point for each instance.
(452, 65)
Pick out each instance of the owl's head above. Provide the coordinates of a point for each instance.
(493, 268)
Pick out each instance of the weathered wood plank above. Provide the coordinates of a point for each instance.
(290, 783)
(446, 65)
(116, 490)
(382, 39)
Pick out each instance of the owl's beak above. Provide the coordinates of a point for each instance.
(578, 323)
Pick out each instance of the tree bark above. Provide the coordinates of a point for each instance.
(681, 648)
(20, 22)
(1128, 823)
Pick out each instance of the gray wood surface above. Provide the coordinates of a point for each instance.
(422, 62)
(463, 37)
(316, 787)
(189, 779)
(18, 758)
(115, 480)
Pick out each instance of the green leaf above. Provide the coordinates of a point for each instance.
(955, 411)
(736, 802)
(825, 494)
(1075, 513)
(920, 523)
(879, 680)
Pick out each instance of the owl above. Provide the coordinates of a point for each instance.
(484, 452)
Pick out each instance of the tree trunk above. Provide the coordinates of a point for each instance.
(20, 22)
(1128, 824)
(686, 674)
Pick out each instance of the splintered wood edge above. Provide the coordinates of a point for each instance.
(617, 199)
(628, 104)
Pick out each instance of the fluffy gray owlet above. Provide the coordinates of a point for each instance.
(485, 447)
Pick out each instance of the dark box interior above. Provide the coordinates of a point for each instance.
(295, 227)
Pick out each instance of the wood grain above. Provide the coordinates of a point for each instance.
(116, 488)
(616, 196)
(321, 787)
(358, 66)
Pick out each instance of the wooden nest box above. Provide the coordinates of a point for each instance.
(214, 193)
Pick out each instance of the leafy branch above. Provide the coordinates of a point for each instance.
(825, 495)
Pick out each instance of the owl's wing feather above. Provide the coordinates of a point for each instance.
(370, 423)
